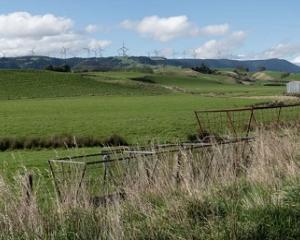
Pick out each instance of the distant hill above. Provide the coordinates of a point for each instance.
(253, 65)
(20, 84)
(114, 63)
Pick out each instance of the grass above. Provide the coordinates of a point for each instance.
(137, 118)
(216, 85)
(36, 160)
(211, 199)
(20, 84)
(277, 76)
(190, 82)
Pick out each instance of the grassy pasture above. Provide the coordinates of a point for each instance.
(187, 81)
(136, 118)
(278, 76)
(19, 84)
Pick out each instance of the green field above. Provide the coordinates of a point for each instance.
(136, 118)
(140, 107)
(22, 84)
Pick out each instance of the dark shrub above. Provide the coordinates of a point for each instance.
(204, 69)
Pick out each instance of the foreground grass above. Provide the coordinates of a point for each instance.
(212, 194)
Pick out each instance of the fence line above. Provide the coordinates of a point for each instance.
(239, 122)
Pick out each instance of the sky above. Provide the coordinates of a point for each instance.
(256, 29)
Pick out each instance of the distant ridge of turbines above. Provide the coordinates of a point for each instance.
(66, 52)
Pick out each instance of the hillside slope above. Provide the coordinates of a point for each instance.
(17, 84)
(113, 63)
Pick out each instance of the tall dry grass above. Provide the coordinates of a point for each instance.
(234, 191)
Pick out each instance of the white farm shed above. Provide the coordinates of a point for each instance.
(293, 87)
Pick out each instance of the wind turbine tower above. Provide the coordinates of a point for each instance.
(64, 52)
(32, 51)
(88, 51)
(100, 51)
(123, 50)
(156, 53)
(95, 50)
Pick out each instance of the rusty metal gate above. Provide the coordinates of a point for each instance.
(240, 122)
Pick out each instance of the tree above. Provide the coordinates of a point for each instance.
(261, 69)
(49, 68)
(241, 69)
(285, 75)
(204, 69)
(63, 68)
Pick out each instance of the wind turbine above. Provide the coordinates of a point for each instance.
(174, 54)
(100, 51)
(95, 50)
(32, 51)
(64, 51)
(148, 54)
(88, 51)
(156, 52)
(195, 54)
(184, 53)
(123, 50)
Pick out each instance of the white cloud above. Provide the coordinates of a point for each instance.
(296, 60)
(94, 44)
(288, 51)
(223, 48)
(215, 29)
(22, 32)
(23, 24)
(281, 50)
(166, 29)
(91, 28)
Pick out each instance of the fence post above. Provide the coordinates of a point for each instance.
(279, 114)
(179, 165)
(105, 176)
(199, 123)
(29, 188)
(55, 181)
(231, 125)
(250, 122)
(81, 180)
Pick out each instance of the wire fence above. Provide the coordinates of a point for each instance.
(104, 173)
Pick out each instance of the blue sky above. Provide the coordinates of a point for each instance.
(174, 28)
